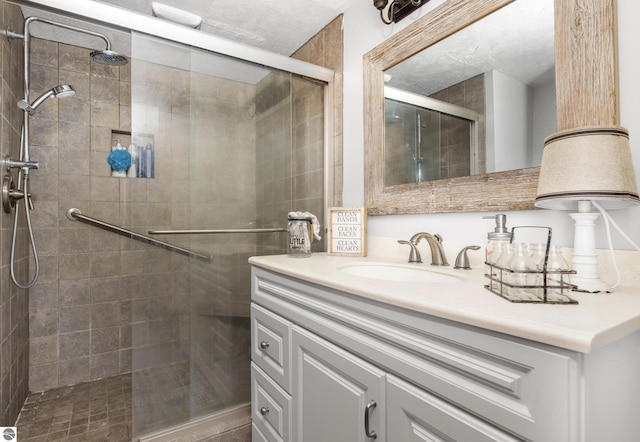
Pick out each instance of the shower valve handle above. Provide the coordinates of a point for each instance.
(29, 201)
(10, 195)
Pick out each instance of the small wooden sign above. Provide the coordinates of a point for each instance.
(347, 231)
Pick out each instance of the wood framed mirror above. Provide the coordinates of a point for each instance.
(585, 37)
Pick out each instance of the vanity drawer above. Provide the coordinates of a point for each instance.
(270, 407)
(256, 434)
(415, 414)
(271, 345)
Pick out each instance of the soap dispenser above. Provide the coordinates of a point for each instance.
(497, 239)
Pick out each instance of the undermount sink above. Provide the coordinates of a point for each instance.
(399, 272)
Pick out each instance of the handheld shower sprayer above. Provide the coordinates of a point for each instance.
(60, 91)
(13, 194)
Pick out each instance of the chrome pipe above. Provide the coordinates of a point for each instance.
(211, 232)
(29, 20)
(9, 164)
(75, 215)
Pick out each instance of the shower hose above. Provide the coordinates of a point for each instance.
(23, 184)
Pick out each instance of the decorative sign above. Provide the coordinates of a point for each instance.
(348, 231)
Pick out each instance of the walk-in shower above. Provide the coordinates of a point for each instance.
(12, 193)
(238, 141)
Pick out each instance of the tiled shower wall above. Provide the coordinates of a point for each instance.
(79, 313)
(326, 49)
(14, 302)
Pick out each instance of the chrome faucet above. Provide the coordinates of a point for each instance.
(438, 257)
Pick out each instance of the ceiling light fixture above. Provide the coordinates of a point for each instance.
(397, 10)
(176, 15)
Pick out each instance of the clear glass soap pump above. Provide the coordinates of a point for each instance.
(498, 239)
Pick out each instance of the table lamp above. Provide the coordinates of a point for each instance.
(580, 166)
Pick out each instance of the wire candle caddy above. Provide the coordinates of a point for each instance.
(544, 286)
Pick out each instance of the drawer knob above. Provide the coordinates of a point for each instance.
(264, 410)
(264, 345)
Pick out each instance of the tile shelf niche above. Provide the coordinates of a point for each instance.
(142, 148)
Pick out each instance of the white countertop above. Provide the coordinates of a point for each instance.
(598, 319)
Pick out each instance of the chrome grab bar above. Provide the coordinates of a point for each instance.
(210, 232)
(75, 215)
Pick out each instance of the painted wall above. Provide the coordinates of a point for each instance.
(544, 121)
(519, 118)
(509, 107)
(363, 30)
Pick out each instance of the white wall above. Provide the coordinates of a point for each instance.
(509, 122)
(544, 119)
(363, 30)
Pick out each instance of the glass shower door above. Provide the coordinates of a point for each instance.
(234, 146)
(423, 144)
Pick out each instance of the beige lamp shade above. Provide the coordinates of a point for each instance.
(590, 163)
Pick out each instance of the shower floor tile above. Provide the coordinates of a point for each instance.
(93, 411)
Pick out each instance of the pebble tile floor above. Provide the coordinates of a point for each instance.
(93, 411)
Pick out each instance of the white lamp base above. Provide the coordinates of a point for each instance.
(586, 277)
(585, 257)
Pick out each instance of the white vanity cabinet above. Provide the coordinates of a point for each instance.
(331, 366)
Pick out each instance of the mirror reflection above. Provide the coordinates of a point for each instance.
(479, 101)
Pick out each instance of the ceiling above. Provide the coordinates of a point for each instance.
(278, 26)
(282, 27)
(517, 40)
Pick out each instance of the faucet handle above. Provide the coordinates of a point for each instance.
(414, 255)
(462, 260)
(29, 201)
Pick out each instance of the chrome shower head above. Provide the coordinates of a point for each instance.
(106, 56)
(60, 91)
(109, 58)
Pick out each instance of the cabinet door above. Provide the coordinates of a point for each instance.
(415, 415)
(334, 393)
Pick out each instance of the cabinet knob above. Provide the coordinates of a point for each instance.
(264, 345)
(264, 410)
(367, 411)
